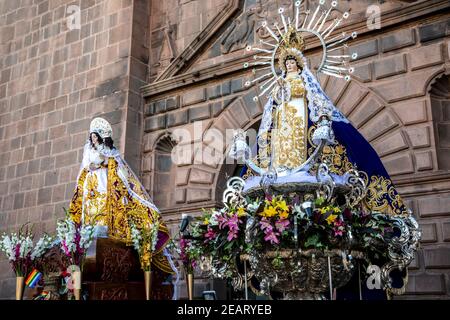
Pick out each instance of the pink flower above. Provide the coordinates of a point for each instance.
(338, 228)
(183, 254)
(17, 251)
(65, 248)
(272, 237)
(232, 223)
(282, 224)
(266, 226)
(232, 235)
(210, 235)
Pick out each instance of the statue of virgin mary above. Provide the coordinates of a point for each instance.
(109, 195)
(299, 123)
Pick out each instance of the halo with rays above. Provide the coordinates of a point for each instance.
(333, 63)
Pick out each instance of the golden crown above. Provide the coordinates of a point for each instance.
(292, 39)
(291, 46)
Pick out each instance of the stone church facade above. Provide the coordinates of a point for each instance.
(158, 68)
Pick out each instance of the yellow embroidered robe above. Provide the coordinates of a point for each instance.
(108, 193)
(289, 135)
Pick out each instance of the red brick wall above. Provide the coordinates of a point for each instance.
(53, 82)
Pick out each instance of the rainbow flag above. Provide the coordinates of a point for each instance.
(33, 278)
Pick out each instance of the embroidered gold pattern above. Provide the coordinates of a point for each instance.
(382, 196)
(95, 202)
(289, 141)
(76, 205)
(288, 136)
(297, 87)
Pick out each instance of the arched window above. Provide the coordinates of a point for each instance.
(164, 173)
(440, 107)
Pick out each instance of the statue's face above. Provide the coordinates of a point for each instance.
(94, 139)
(291, 65)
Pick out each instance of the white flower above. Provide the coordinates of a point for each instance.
(26, 245)
(66, 231)
(86, 236)
(155, 235)
(136, 238)
(42, 246)
(213, 220)
(252, 207)
(6, 245)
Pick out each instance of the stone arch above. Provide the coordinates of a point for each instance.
(376, 120)
(241, 113)
(439, 97)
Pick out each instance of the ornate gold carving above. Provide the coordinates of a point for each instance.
(249, 173)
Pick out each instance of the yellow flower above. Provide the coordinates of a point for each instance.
(284, 214)
(336, 210)
(331, 218)
(282, 206)
(269, 212)
(241, 212)
(324, 210)
(206, 221)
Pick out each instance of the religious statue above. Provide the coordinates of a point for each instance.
(109, 195)
(300, 121)
(313, 205)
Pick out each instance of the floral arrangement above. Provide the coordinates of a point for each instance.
(74, 238)
(144, 242)
(281, 222)
(21, 252)
(18, 248)
(186, 251)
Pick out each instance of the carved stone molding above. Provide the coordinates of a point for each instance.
(182, 60)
